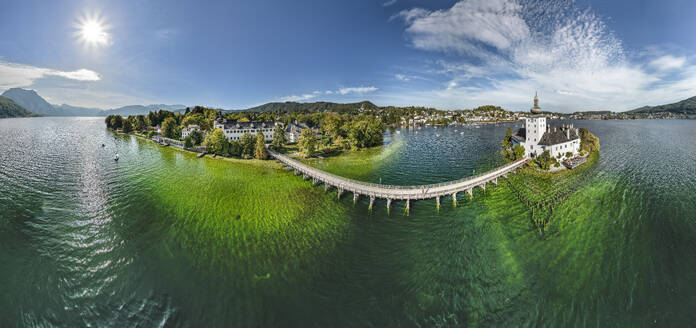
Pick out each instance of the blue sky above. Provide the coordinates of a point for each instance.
(579, 55)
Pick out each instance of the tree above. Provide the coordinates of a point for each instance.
(545, 160)
(279, 137)
(307, 142)
(188, 142)
(116, 122)
(507, 144)
(260, 149)
(126, 126)
(331, 125)
(216, 142)
(234, 149)
(366, 132)
(246, 144)
(139, 122)
(196, 137)
(519, 152)
(170, 129)
(588, 141)
(568, 154)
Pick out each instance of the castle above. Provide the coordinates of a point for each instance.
(536, 136)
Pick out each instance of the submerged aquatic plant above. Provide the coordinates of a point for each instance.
(541, 192)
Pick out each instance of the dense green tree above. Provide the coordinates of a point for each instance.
(307, 142)
(170, 129)
(506, 142)
(588, 141)
(260, 147)
(518, 151)
(116, 122)
(216, 142)
(247, 143)
(365, 132)
(332, 125)
(279, 137)
(126, 126)
(196, 137)
(188, 142)
(139, 123)
(234, 149)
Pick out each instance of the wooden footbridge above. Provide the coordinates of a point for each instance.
(392, 192)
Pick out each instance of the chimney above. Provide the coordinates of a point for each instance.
(568, 133)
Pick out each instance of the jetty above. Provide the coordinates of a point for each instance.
(395, 192)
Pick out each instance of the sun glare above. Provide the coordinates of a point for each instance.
(93, 32)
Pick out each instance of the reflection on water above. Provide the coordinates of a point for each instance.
(86, 241)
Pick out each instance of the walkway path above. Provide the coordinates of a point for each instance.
(393, 192)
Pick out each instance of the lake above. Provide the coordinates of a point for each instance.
(162, 238)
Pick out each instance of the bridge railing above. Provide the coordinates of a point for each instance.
(339, 181)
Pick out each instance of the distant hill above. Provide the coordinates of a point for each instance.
(687, 106)
(9, 108)
(31, 101)
(318, 106)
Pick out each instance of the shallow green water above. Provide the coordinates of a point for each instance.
(163, 238)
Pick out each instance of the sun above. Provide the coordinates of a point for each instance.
(92, 31)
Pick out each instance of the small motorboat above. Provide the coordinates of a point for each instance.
(116, 157)
(437, 135)
(103, 145)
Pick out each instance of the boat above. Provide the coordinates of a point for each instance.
(437, 135)
(103, 145)
(116, 157)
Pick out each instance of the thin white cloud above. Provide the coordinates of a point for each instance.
(359, 90)
(496, 23)
(18, 75)
(388, 3)
(306, 96)
(402, 77)
(668, 62)
(504, 50)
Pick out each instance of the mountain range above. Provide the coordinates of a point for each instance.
(318, 106)
(31, 101)
(18, 102)
(9, 108)
(686, 106)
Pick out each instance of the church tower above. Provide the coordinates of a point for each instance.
(535, 127)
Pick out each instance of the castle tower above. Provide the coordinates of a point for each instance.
(536, 109)
(535, 127)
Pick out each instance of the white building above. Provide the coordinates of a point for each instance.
(187, 130)
(234, 130)
(293, 131)
(537, 136)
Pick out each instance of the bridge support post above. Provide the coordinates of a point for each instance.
(408, 206)
(495, 181)
(297, 172)
(305, 177)
(355, 197)
(372, 201)
(315, 182)
(437, 199)
(326, 187)
(388, 204)
(483, 186)
(470, 192)
(340, 191)
(454, 199)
